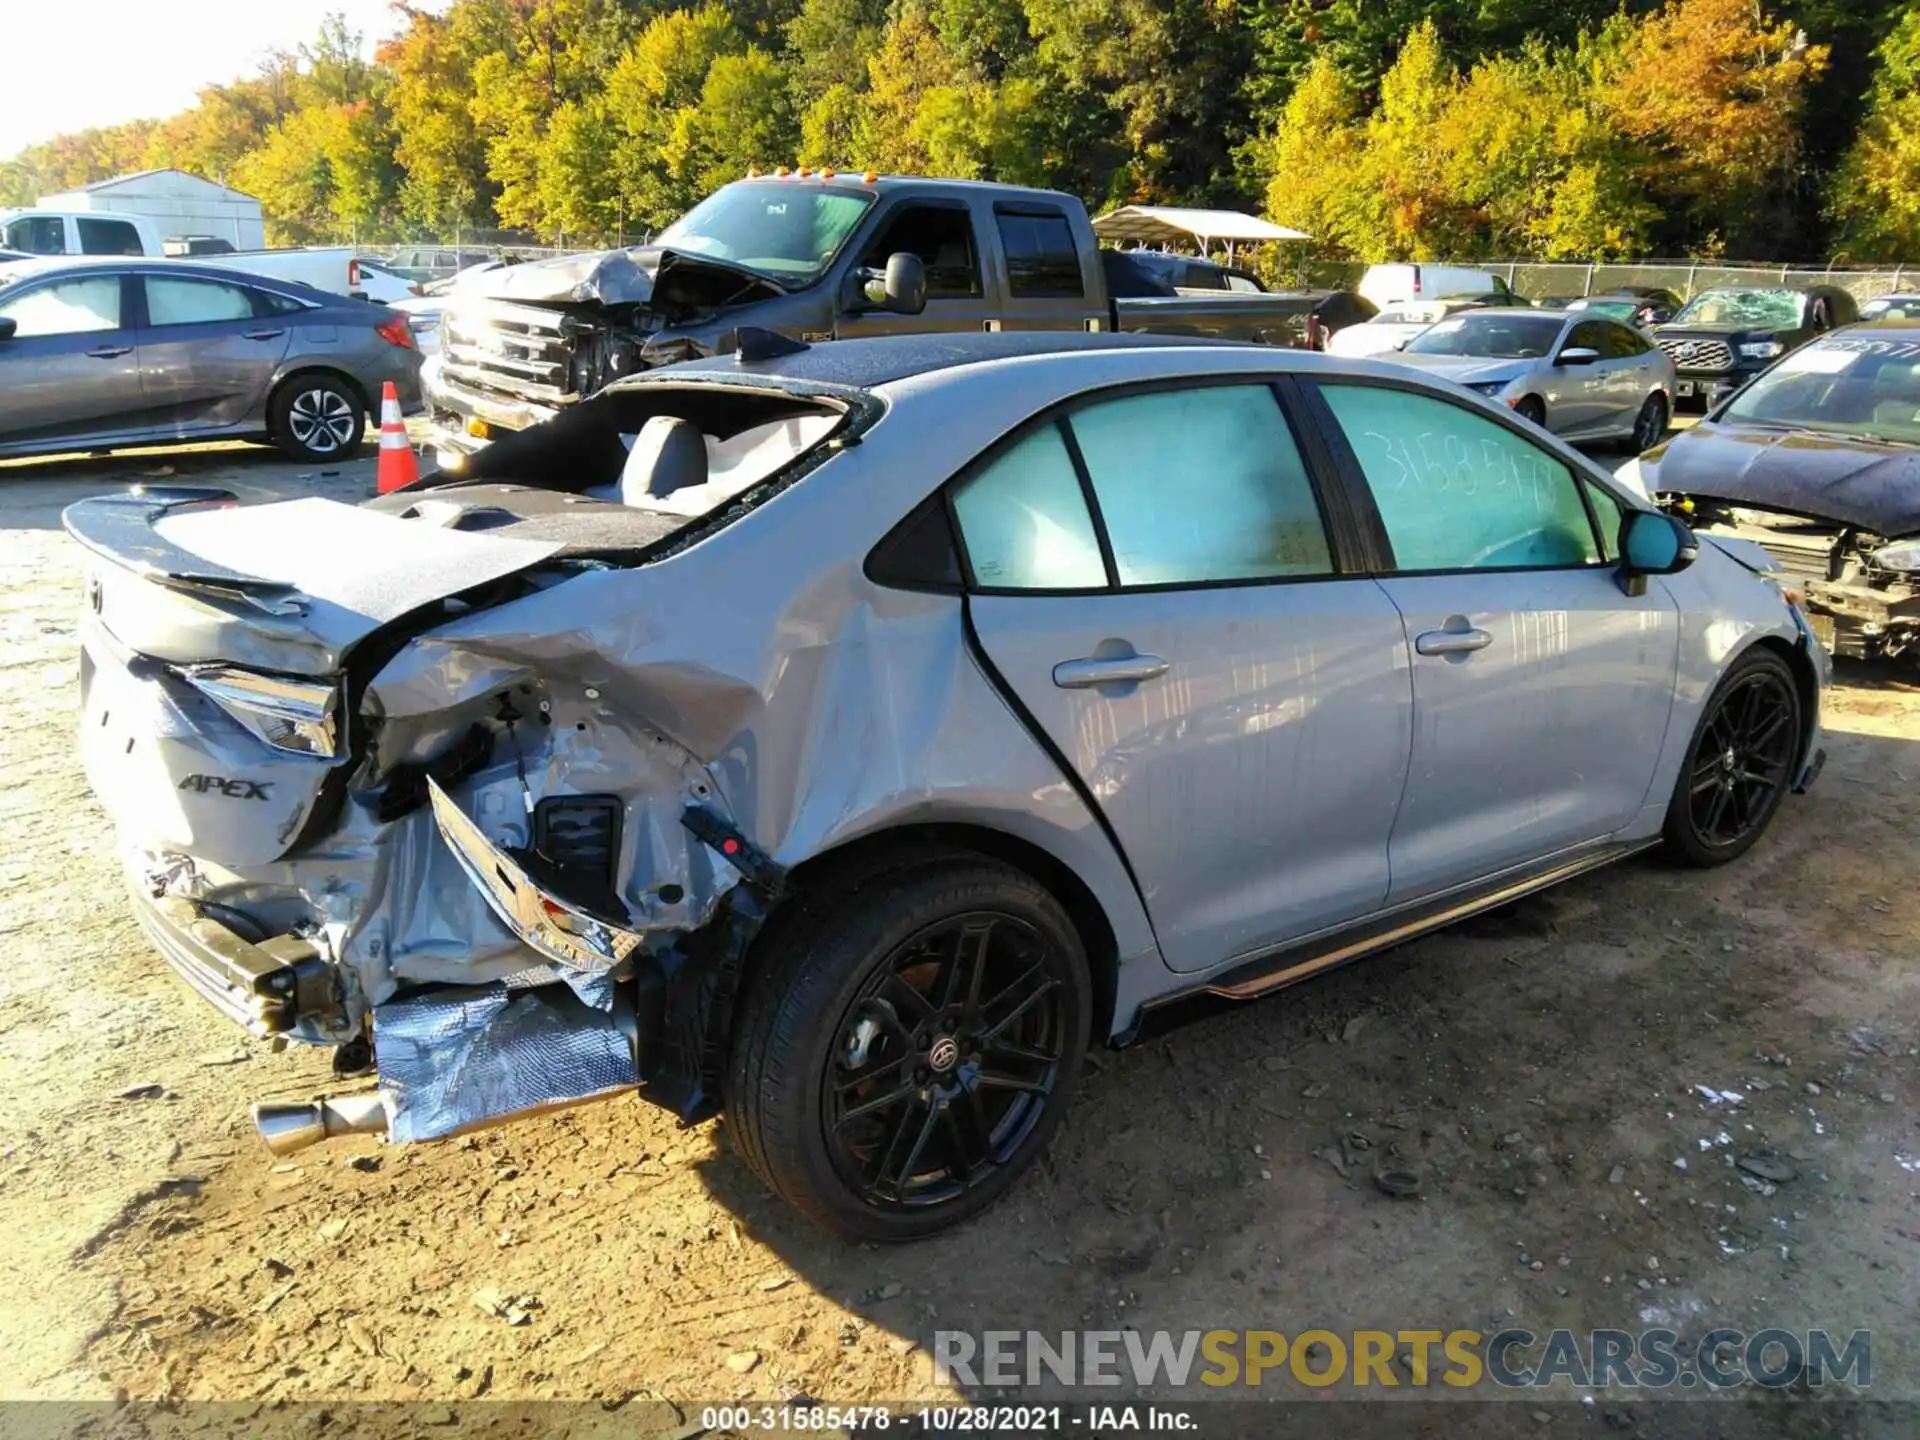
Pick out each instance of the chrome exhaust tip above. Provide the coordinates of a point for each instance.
(288, 1126)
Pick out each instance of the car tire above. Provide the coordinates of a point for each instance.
(883, 1088)
(317, 416)
(1530, 408)
(1739, 764)
(1650, 425)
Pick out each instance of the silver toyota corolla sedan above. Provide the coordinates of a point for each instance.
(99, 353)
(1583, 376)
(848, 737)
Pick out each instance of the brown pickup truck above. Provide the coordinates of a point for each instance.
(819, 256)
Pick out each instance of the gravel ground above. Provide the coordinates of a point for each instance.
(1543, 1069)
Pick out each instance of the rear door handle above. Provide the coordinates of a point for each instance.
(263, 334)
(1451, 642)
(108, 352)
(1119, 670)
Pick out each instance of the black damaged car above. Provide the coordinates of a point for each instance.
(1818, 461)
(1723, 338)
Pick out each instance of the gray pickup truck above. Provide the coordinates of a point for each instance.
(811, 256)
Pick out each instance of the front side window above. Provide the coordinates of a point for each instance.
(108, 237)
(1588, 335)
(1025, 520)
(1456, 491)
(194, 302)
(65, 307)
(942, 236)
(1042, 261)
(1201, 485)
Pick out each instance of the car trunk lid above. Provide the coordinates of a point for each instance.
(215, 676)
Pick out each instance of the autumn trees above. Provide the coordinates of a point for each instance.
(1385, 128)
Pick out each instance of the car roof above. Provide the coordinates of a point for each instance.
(864, 364)
(159, 265)
(1879, 328)
(1529, 310)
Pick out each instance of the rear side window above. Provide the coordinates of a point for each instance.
(1457, 491)
(36, 235)
(173, 301)
(1623, 343)
(1201, 485)
(66, 307)
(108, 237)
(1042, 261)
(1026, 522)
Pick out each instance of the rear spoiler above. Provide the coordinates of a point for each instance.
(120, 528)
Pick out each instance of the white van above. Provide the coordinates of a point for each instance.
(95, 232)
(1389, 285)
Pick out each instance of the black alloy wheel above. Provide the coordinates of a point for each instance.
(1740, 764)
(906, 1041)
(943, 1064)
(1650, 424)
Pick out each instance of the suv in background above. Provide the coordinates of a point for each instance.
(1724, 337)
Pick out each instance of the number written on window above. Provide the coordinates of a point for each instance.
(1458, 492)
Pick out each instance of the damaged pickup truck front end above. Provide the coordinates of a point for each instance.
(401, 778)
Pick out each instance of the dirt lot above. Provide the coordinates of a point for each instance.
(1544, 1069)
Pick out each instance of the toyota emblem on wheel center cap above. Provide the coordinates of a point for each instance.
(944, 1054)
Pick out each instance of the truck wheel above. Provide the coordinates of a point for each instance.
(316, 417)
(1740, 764)
(908, 1048)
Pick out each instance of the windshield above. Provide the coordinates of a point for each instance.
(790, 231)
(1842, 386)
(1778, 309)
(1491, 336)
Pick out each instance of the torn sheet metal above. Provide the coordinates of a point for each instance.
(555, 927)
(645, 274)
(454, 1059)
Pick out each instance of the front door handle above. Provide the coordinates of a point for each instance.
(108, 352)
(1452, 642)
(1118, 670)
(263, 334)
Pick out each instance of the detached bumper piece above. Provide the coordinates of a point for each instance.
(266, 987)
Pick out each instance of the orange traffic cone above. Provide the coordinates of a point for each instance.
(397, 467)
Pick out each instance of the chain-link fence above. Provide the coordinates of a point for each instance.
(1537, 280)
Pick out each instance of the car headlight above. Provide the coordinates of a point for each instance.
(1902, 556)
(297, 716)
(1762, 350)
(1489, 387)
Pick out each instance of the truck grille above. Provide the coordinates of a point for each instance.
(520, 351)
(1698, 354)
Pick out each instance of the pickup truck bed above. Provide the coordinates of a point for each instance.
(807, 257)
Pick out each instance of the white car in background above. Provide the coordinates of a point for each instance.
(1390, 286)
(1393, 327)
(380, 283)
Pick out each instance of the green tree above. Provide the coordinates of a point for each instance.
(1876, 190)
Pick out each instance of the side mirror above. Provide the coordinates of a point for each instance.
(901, 287)
(1652, 544)
(7, 326)
(1578, 355)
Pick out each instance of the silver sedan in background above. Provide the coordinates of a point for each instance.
(1582, 376)
(102, 352)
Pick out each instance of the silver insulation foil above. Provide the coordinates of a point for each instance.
(453, 1059)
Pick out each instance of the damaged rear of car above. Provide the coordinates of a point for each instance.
(307, 719)
(1819, 462)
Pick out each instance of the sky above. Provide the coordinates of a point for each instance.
(72, 64)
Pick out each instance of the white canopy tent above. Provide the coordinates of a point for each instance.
(1175, 225)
